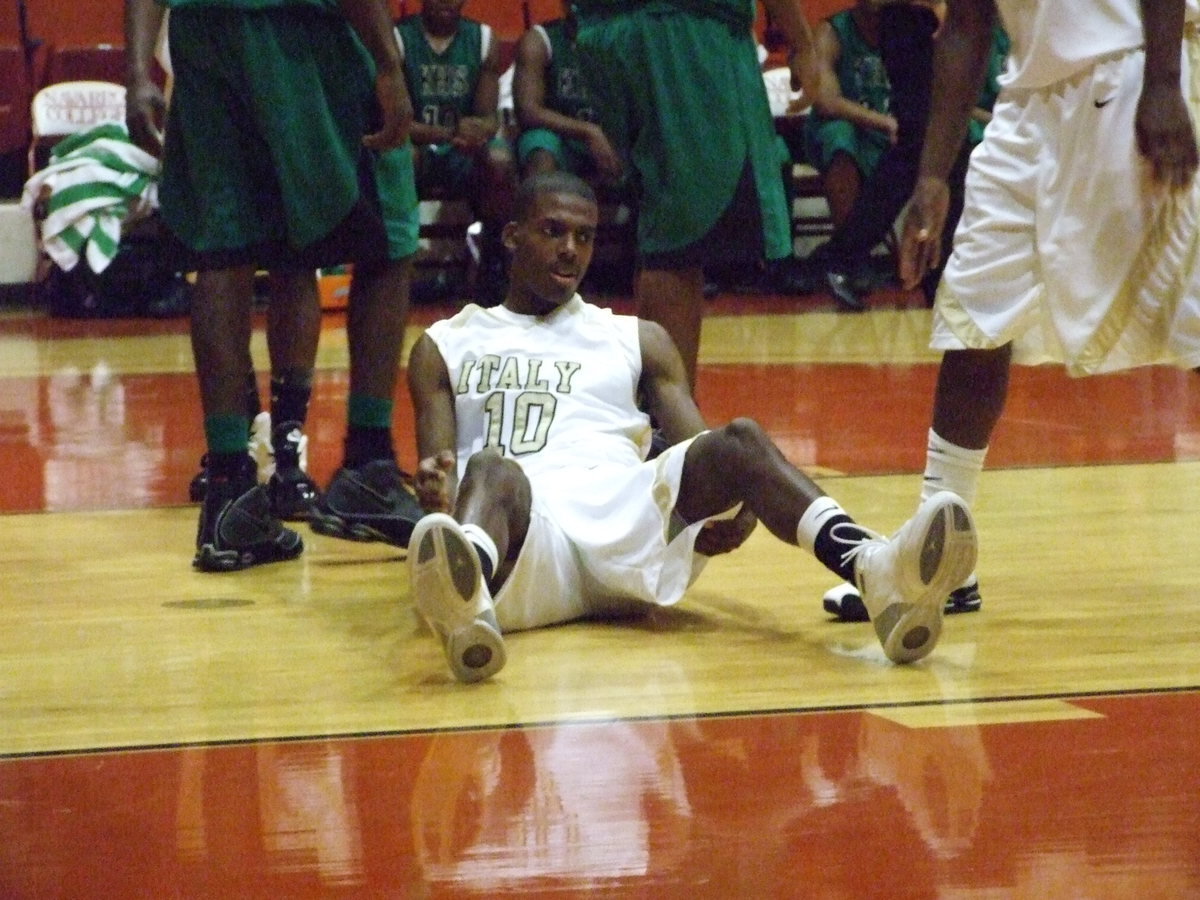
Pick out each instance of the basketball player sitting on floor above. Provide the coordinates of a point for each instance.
(533, 465)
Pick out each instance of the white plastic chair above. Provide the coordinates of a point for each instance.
(70, 107)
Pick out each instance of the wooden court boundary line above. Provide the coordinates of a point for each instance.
(601, 720)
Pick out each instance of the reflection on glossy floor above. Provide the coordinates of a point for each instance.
(291, 731)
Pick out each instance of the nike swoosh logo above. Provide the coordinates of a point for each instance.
(1100, 104)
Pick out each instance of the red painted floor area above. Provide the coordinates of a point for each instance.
(824, 804)
(760, 807)
(136, 441)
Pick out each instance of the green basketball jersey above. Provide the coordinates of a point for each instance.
(860, 72)
(443, 84)
(566, 88)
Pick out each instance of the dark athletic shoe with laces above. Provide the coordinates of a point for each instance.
(845, 603)
(258, 447)
(369, 503)
(965, 598)
(237, 529)
(198, 486)
(293, 495)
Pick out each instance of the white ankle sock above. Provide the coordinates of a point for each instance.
(814, 517)
(949, 467)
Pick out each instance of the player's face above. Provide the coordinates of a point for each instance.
(551, 251)
(442, 16)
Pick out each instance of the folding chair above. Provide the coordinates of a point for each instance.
(63, 109)
(70, 107)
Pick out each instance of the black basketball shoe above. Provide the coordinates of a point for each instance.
(258, 447)
(237, 529)
(294, 495)
(368, 503)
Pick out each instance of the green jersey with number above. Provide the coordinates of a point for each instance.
(442, 84)
(566, 86)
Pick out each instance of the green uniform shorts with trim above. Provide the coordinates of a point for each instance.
(682, 98)
(264, 160)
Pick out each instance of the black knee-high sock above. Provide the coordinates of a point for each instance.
(367, 443)
(290, 395)
(485, 564)
(838, 535)
(485, 549)
(291, 392)
(831, 533)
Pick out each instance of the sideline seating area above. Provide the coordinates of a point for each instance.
(26, 135)
(46, 93)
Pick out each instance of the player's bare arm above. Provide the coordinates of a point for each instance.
(474, 131)
(665, 387)
(529, 85)
(1166, 136)
(436, 480)
(370, 19)
(831, 102)
(529, 102)
(145, 105)
(959, 69)
(802, 60)
(668, 397)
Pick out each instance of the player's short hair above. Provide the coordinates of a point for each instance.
(557, 182)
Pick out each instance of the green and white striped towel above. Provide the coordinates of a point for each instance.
(98, 180)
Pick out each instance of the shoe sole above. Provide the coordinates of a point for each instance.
(299, 514)
(394, 530)
(209, 559)
(848, 607)
(445, 565)
(949, 547)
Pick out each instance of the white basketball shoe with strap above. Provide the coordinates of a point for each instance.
(451, 595)
(904, 580)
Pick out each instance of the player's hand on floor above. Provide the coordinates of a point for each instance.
(722, 535)
(430, 482)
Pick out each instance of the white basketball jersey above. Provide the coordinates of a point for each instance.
(1054, 39)
(547, 391)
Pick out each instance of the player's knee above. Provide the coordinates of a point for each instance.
(737, 444)
(745, 433)
(502, 481)
(490, 465)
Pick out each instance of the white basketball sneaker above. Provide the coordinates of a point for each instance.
(904, 580)
(259, 447)
(448, 588)
(262, 449)
(846, 604)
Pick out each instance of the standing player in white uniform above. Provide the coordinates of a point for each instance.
(1078, 244)
(529, 431)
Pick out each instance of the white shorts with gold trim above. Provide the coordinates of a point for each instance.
(1066, 248)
